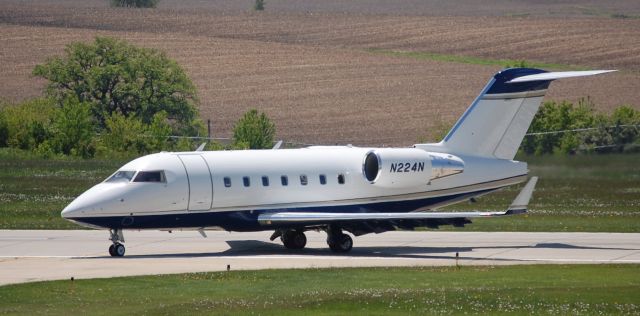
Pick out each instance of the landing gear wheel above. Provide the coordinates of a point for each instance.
(340, 243)
(294, 239)
(118, 250)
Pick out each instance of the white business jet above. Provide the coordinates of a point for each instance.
(329, 188)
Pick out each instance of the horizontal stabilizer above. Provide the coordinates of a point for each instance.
(558, 75)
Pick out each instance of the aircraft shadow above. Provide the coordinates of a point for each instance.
(246, 248)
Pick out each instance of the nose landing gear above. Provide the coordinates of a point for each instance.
(116, 249)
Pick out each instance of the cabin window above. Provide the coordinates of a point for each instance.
(284, 180)
(149, 176)
(265, 181)
(227, 182)
(303, 179)
(323, 179)
(246, 181)
(121, 176)
(341, 178)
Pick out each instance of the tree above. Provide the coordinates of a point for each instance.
(73, 130)
(254, 131)
(135, 3)
(113, 76)
(27, 122)
(123, 134)
(4, 130)
(258, 5)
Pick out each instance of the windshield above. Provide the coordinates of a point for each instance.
(150, 176)
(121, 176)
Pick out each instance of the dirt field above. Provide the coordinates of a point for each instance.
(311, 72)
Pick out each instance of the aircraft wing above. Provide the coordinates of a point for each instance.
(518, 206)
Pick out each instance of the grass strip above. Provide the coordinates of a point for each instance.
(503, 290)
(506, 63)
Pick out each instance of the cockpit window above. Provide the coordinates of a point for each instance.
(149, 176)
(121, 176)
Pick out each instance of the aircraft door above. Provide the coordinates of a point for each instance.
(200, 183)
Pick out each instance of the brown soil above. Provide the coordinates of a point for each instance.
(310, 72)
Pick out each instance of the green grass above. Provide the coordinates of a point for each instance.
(575, 193)
(474, 60)
(33, 191)
(506, 290)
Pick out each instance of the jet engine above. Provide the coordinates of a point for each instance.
(408, 167)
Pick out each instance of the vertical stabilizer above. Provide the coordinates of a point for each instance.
(496, 122)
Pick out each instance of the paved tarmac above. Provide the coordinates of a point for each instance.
(35, 255)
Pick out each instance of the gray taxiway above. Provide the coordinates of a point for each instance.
(34, 255)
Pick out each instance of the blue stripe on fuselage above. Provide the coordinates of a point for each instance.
(248, 220)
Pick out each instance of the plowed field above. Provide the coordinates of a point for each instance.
(312, 72)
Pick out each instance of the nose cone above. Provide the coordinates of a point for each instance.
(92, 201)
(74, 209)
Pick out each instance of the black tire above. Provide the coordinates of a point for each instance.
(119, 250)
(341, 243)
(293, 239)
(112, 250)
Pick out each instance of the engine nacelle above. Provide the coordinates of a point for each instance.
(408, 167)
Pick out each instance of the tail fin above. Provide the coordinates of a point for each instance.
(496, 122)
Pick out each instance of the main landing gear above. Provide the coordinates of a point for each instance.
(295, 239)
(291, 238)
(116, 249)
(337, 240)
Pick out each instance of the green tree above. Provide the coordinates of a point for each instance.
(4, 130)
(158, 132)
(254, 131)
(626, 120)
(123, 134)
(135, 3)
(72, 129)
(258, 5)
(116, 77)
(554, 116)
(27, 123)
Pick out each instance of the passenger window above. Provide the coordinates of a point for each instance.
(341, 178)
(265, 181)
(227, 182)
(303, 179)
(121, 176)
(246, 181)
(284, 180)
(150, 176)
(323, 179)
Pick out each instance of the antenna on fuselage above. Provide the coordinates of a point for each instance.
(277, 145)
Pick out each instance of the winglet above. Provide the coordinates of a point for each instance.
(201, 147)
(519, 205)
